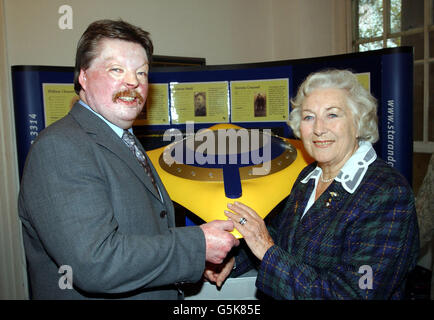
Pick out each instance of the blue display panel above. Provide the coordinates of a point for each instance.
(27, 82)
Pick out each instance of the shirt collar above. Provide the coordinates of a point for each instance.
(353, 170)
(115, 128)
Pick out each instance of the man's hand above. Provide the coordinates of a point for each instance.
(218, 272)
(218, 240)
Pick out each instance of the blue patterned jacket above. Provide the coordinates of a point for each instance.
(358, 246)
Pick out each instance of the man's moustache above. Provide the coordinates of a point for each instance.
(129, 93)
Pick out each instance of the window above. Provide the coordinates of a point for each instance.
(390, 23)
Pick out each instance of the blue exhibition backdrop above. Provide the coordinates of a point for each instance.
(391, 76)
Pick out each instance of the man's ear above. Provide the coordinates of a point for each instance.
(82, 79)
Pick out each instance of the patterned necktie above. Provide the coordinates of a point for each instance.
(131, 143)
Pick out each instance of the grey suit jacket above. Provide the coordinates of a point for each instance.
(86, 202)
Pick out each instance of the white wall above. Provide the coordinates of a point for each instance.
(310, 28)
(222, 31)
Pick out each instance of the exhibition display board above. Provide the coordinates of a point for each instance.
(185, 101)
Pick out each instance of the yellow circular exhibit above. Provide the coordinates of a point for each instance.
(205, 189)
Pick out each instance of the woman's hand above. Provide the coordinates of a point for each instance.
(253, 230)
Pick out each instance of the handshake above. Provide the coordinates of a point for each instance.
(219, 241)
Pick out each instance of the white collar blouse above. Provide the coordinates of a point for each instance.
(351, 174)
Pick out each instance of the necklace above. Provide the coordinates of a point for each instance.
(326, 180)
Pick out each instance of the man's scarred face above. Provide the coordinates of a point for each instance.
(116, 83)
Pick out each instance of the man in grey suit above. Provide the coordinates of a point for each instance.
(90, 207)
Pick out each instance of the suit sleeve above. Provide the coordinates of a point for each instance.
(383, 238)
(67, 202)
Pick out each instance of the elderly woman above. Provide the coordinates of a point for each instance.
(349, 227)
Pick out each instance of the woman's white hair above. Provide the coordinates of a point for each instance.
(359, 100)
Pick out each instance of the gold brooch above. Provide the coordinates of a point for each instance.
(332, 194)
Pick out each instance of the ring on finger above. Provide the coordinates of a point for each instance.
(243, 221)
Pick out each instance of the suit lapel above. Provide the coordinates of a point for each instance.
(324, 208)
(303, 193)
(107, 138)
(160, 184)
(164, 195)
